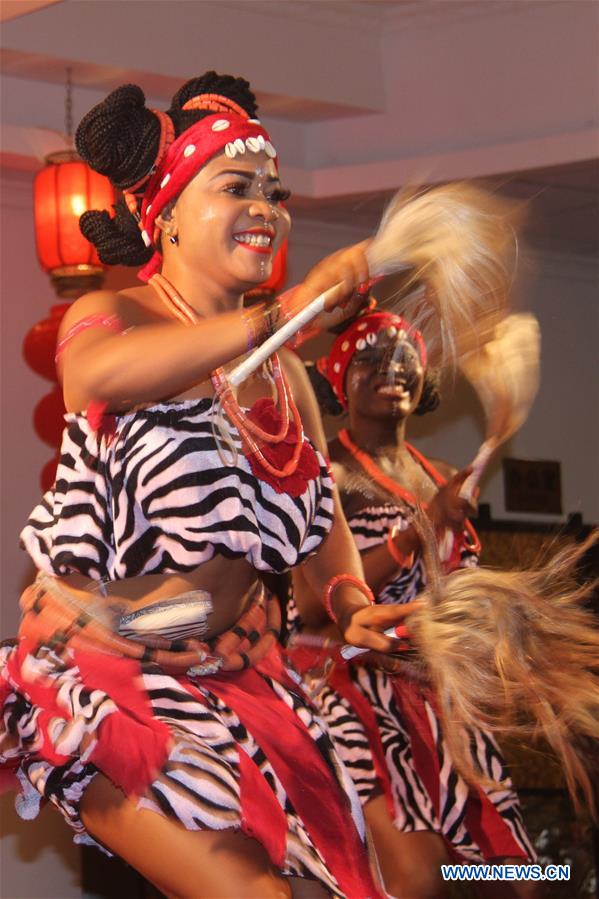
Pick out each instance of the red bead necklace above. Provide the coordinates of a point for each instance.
(371, 468)
(249, 431)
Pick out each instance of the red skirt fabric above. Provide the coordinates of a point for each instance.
(387, 732)
(211, 752)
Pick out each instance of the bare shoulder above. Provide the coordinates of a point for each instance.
(339, 463)
(130, 306)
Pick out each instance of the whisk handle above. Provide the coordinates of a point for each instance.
(479, 464)
(276, 341)
(350, 652)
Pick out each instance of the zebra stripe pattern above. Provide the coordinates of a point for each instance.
(156, 498)
(370, 527)
(415, 809)
(413, 804)
(198, 786)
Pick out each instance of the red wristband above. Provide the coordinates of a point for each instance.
(334, 583)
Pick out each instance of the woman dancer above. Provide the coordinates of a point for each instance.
(420, 810)
(145, 698)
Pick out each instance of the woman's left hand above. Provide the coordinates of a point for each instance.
(448, 508)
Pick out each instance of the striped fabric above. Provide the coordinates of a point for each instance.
(426, 792)
(423, 789)
(156, 499)
(213, 774)
(370, 527)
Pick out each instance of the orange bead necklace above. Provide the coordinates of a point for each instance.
(371, 468)
(249, 431)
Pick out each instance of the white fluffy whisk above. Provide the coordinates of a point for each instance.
(505, 374)
(459, 242)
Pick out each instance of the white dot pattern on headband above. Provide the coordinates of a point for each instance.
(240, 145)
(165, 180)
(371, 338)
(361, 344)
(220, 125)
(270, 150)
(145, 238)
(261, 142)
(189, 150)
(230, 150)
(402, 334)
(148, 209)
(345, 346)
(252, 144)
(391, 331)
(336, 368)
(362, 326)
(254, 121)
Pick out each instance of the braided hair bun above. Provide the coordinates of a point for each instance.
(120, 138)
(236, 89)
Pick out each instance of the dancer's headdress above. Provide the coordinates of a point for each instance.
(364, 332)
(229, 128)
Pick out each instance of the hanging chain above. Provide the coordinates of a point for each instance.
(68, 105)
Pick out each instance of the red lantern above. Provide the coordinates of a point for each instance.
(48, 417)
(64, 189)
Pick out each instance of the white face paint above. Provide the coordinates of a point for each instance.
(386, 377)
(230, 221)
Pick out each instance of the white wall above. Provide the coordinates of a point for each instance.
(564, 422)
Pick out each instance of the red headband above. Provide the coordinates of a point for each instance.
(358, 336)
(184, 158)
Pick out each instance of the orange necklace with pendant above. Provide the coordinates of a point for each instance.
(371, 468)
(249, 431)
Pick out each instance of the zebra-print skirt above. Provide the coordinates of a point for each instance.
(388, 734)
(243, 750)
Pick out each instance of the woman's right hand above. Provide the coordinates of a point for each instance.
(345, 270)
(365, 626)
(448, 510)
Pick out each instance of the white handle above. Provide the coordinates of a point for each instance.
(276, 340)
(479, 464)
(350, 652)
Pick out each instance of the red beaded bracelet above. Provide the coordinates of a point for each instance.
(334, 583)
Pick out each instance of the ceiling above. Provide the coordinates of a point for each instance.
(561, 202)
(359, 94)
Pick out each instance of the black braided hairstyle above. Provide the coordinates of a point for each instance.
(119, 138)
(330, 405)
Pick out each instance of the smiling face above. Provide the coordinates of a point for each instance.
(229, 221)
(385, 378)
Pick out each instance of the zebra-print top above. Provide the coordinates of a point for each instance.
(157, 499)
(370, 527)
